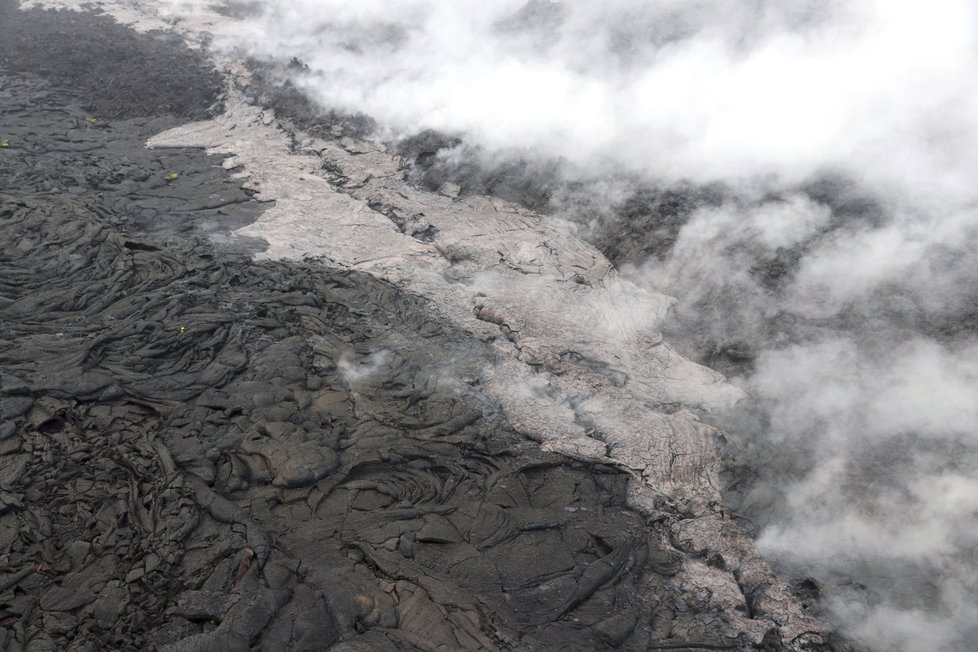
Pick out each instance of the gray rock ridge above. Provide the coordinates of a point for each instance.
(426, 341)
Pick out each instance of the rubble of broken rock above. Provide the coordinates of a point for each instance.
(204, 451)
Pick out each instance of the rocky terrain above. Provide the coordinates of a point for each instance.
(262, 391)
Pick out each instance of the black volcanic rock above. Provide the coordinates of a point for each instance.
(115, 72)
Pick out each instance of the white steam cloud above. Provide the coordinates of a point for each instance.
(696, 89)
(893, 494)
(866, 370)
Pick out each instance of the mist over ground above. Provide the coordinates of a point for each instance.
(800, 175)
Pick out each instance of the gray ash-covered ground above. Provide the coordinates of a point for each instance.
(204, 452)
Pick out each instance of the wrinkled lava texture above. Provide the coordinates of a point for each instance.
(205, 452)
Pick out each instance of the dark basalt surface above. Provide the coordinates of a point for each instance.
(115, 72)
(199, 451)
